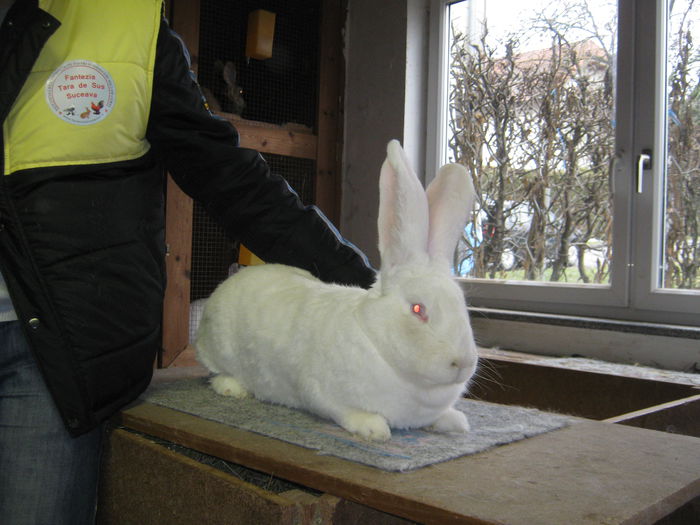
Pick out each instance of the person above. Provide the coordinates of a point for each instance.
(97, 99)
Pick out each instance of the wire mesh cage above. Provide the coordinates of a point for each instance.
(213, 253)
(281, 90)
(299, 173)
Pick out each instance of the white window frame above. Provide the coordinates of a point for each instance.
(632, 294)
(645, 289)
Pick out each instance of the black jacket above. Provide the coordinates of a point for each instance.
(82, 247)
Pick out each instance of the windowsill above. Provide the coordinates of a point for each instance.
(632, 327)
(664, 346)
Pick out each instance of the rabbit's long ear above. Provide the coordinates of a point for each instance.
(229, 73)
(450, 198)
(403, 211)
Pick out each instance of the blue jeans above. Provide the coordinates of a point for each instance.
(46, 476)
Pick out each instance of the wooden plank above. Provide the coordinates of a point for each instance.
(595, 395)
(186, 358)
(178, 264)
(205, 494)
(177, 490)
(595, 366)
(178, 218)
(589, 473)
(329, 123)
(679, 417)
(185, 372)
(185, 20)
(290, 140)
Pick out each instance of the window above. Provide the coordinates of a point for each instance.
(580, 122)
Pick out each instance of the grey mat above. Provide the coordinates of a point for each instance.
(491, 425)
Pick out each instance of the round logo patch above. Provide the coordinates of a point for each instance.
(81, 92)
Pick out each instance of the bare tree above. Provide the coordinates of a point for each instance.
(535, 130)
(682, 245)
(484, 134)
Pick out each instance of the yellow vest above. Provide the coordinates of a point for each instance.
(88, 96)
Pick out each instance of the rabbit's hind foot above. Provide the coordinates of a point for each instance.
(452, 420)
(369, 426)
(227, 386)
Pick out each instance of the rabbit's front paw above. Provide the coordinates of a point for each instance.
(452, 420)
(228, 386)
(367, 425)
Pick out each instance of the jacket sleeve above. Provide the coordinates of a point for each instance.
(235, 184)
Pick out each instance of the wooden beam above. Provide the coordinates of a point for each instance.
(329, 123)
(178, 264)
(178, 219)
(185, 20)
(681, 416)
(290, 140)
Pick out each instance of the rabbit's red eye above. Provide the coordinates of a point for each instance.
(419, 311)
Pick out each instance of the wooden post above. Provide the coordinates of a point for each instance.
(178, 219)
(328, 157)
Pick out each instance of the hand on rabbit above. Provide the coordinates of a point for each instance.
(396, 356)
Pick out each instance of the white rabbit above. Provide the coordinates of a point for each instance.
(398, 355)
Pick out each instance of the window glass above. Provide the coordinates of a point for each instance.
(680, 250)
(531, 105)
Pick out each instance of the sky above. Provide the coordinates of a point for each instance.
(507, 15)
(504, 16)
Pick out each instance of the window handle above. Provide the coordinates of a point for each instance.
(643, 163)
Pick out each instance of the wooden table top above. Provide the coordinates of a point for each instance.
(589, 473)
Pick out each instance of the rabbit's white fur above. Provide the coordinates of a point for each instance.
(360, 357)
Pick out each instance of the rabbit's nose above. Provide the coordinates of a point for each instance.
(459, 362)
(465, 358)
(464, 364)
(463, 373)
